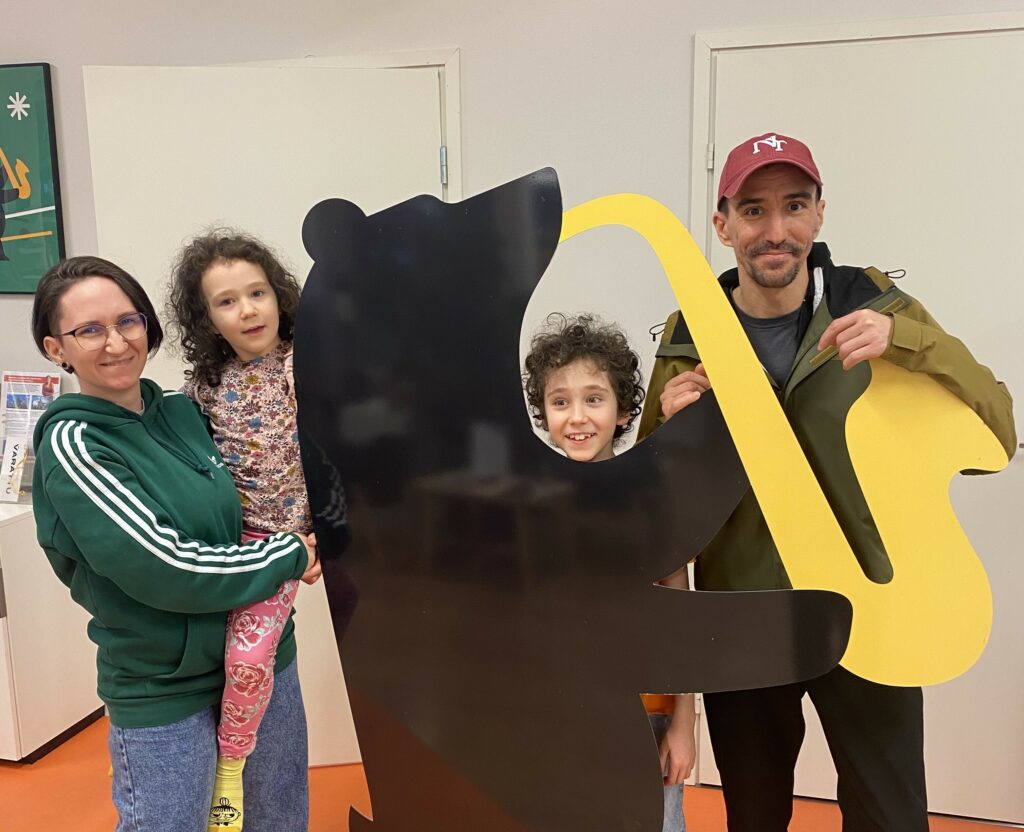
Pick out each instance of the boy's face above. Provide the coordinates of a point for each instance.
(581, 412)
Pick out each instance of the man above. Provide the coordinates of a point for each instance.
(793, 303)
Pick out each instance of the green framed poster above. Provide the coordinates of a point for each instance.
(31, 227)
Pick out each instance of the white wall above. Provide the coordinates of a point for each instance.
(598, 89)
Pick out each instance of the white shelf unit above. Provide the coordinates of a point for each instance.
(47, 664)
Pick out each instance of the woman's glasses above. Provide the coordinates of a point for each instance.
(94, 336)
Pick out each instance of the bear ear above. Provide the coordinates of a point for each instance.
(328, 224)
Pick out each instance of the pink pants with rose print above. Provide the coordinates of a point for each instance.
(250, 647)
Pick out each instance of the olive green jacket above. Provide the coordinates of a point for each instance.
(816, 399)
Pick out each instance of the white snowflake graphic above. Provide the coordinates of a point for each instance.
(19, 106)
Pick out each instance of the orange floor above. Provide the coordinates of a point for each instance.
(69, 789)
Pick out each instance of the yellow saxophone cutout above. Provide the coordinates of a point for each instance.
(932, 620)
(17, 177)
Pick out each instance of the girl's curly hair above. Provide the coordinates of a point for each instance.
(187, 312)
(568, 339)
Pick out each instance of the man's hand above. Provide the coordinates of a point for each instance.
(312, 573)
(677, 749)
(683, 390)
(858, 336)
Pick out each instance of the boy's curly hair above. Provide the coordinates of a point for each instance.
(566, 339)
(187, 313)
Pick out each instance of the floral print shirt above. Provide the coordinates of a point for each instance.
(252, 415)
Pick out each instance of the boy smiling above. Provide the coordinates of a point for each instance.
(584, 387)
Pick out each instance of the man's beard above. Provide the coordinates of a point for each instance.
(775, 280)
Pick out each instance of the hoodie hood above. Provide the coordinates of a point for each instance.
(80, 406)
(91, 409)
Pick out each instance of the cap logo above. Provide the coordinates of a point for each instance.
(773, 141)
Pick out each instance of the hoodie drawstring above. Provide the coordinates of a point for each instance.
(189, 459)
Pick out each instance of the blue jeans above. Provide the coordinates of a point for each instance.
(163, 776)
(674, 820)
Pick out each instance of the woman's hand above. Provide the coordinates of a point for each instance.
(313, 571)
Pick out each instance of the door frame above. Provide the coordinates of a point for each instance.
(448, 63)
(707, 45)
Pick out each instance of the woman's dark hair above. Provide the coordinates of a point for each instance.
(56, 282)
(187, 311)
(568, 339)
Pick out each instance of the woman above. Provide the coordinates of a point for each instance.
(140, 519)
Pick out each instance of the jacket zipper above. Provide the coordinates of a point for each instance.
(890, 309)
(825, 355)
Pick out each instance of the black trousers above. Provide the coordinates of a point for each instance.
(875, 734)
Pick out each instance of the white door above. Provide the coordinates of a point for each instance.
(176, 149)
(918, 140)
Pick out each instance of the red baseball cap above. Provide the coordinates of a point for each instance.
(756, 152)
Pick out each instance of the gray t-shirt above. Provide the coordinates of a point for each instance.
(775, 341)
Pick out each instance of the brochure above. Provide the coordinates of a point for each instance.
(23, 398)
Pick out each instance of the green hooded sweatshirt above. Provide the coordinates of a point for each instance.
(141, 520)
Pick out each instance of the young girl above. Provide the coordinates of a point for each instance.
(584, 387)
(233, 305)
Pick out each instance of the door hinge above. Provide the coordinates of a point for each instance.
(709, 157)
(444, 164)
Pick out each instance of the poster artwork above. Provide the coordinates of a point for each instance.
(31, 235)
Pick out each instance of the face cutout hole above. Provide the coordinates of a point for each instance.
(588, 285)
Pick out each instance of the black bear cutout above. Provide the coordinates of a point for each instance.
(507, 617)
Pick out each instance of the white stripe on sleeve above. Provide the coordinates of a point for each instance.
(139, 523)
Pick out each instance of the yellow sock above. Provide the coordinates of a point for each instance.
(226, 808)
